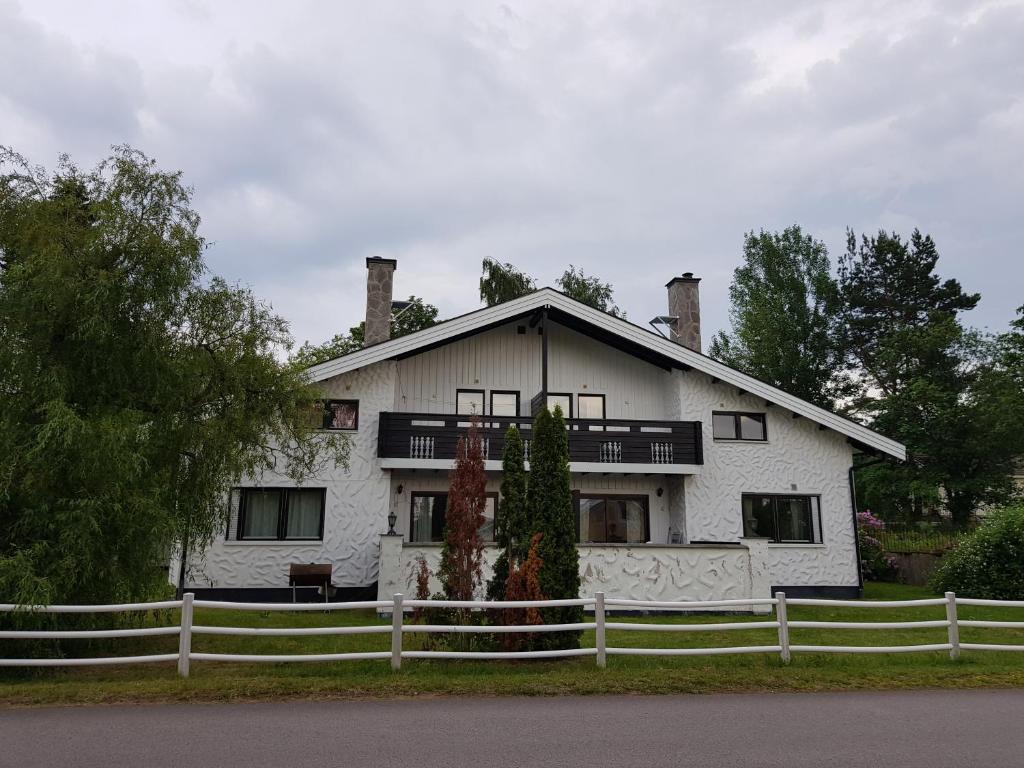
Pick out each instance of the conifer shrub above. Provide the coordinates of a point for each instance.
(551, 512)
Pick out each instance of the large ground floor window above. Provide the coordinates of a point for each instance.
(427, 518)
(783, 518)
(281, 514)
(610, 519)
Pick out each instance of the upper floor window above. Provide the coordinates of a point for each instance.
(281, 514)
(427, 519)
(563, 401)
(734, 425)
(341, 414)
(590, 406)
(504, 403)
(469, 402)
(783, 518)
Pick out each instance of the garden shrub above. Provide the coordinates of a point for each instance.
(875, 563)
(988, 563)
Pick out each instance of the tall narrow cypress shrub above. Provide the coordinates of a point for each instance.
(461, 569)
(512, 533)
(550, 508)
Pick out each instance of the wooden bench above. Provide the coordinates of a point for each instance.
(310, 575)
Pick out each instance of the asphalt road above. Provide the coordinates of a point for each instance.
(930, 729)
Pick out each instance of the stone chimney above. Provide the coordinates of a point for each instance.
(684, 304)
(380, 275)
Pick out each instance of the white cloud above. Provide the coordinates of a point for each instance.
(634, 140)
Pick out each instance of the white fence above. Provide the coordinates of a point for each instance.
(599, 604)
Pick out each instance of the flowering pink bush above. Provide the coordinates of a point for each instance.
(876, 564)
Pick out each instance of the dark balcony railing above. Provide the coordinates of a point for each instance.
(606, 441)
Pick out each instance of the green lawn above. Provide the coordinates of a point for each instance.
(218, 681)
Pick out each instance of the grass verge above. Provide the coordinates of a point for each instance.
(219, 682)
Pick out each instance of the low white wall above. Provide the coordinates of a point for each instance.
(636, 572)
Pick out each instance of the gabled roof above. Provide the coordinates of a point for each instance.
(614, 328)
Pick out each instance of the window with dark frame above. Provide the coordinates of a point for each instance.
(427, 517)
(341, 414)
(504, 403)
(783, 518)
(281, 514)
(737, 425)
(590, 406)
(563, 400)
(612, 519)
(469, 402)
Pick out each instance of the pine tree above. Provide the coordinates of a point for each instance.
(550, 507)
(511, 527)
(461, 568)
(924, 380)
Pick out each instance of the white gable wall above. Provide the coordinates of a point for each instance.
(796, 458)
(503, 359)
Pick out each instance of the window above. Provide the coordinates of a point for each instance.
(428, 515)
(738, 426)
(590, 406)
(613, 519)
(563, 401)
(504, 403)
(782, 518)
(281, 514)
(469, 402)
(341, 414)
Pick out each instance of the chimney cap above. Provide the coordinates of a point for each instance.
(372, 260)
(687, 277)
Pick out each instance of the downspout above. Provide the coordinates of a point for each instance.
(544, 358)
(856, 533)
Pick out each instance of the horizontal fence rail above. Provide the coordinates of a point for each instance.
(398, 607)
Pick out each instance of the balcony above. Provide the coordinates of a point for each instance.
(429, 440)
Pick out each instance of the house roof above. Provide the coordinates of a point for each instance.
(612, 330)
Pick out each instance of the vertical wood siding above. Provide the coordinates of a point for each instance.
(502, 359)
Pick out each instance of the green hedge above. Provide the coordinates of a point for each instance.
(988, 563)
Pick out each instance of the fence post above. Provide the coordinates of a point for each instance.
(954, 626)
(396, 632)
(185, 636)
(783, 619)
(599, 641)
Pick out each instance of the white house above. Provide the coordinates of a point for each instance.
(692, 480)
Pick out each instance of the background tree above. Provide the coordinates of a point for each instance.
(785, 316)
(417, 316)
(461, 569)
(926, 381)
(135, 389)
(503, 282)
(893, 300)
(588, 290)
(550, 507)
(512, 532)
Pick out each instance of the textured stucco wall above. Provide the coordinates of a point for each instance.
(356, 506)
(634, 572)
(797, 458)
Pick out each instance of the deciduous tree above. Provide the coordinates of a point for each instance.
(785, 316)
(136, 389)
(417, 316)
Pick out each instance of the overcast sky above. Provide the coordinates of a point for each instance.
(634, 140)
